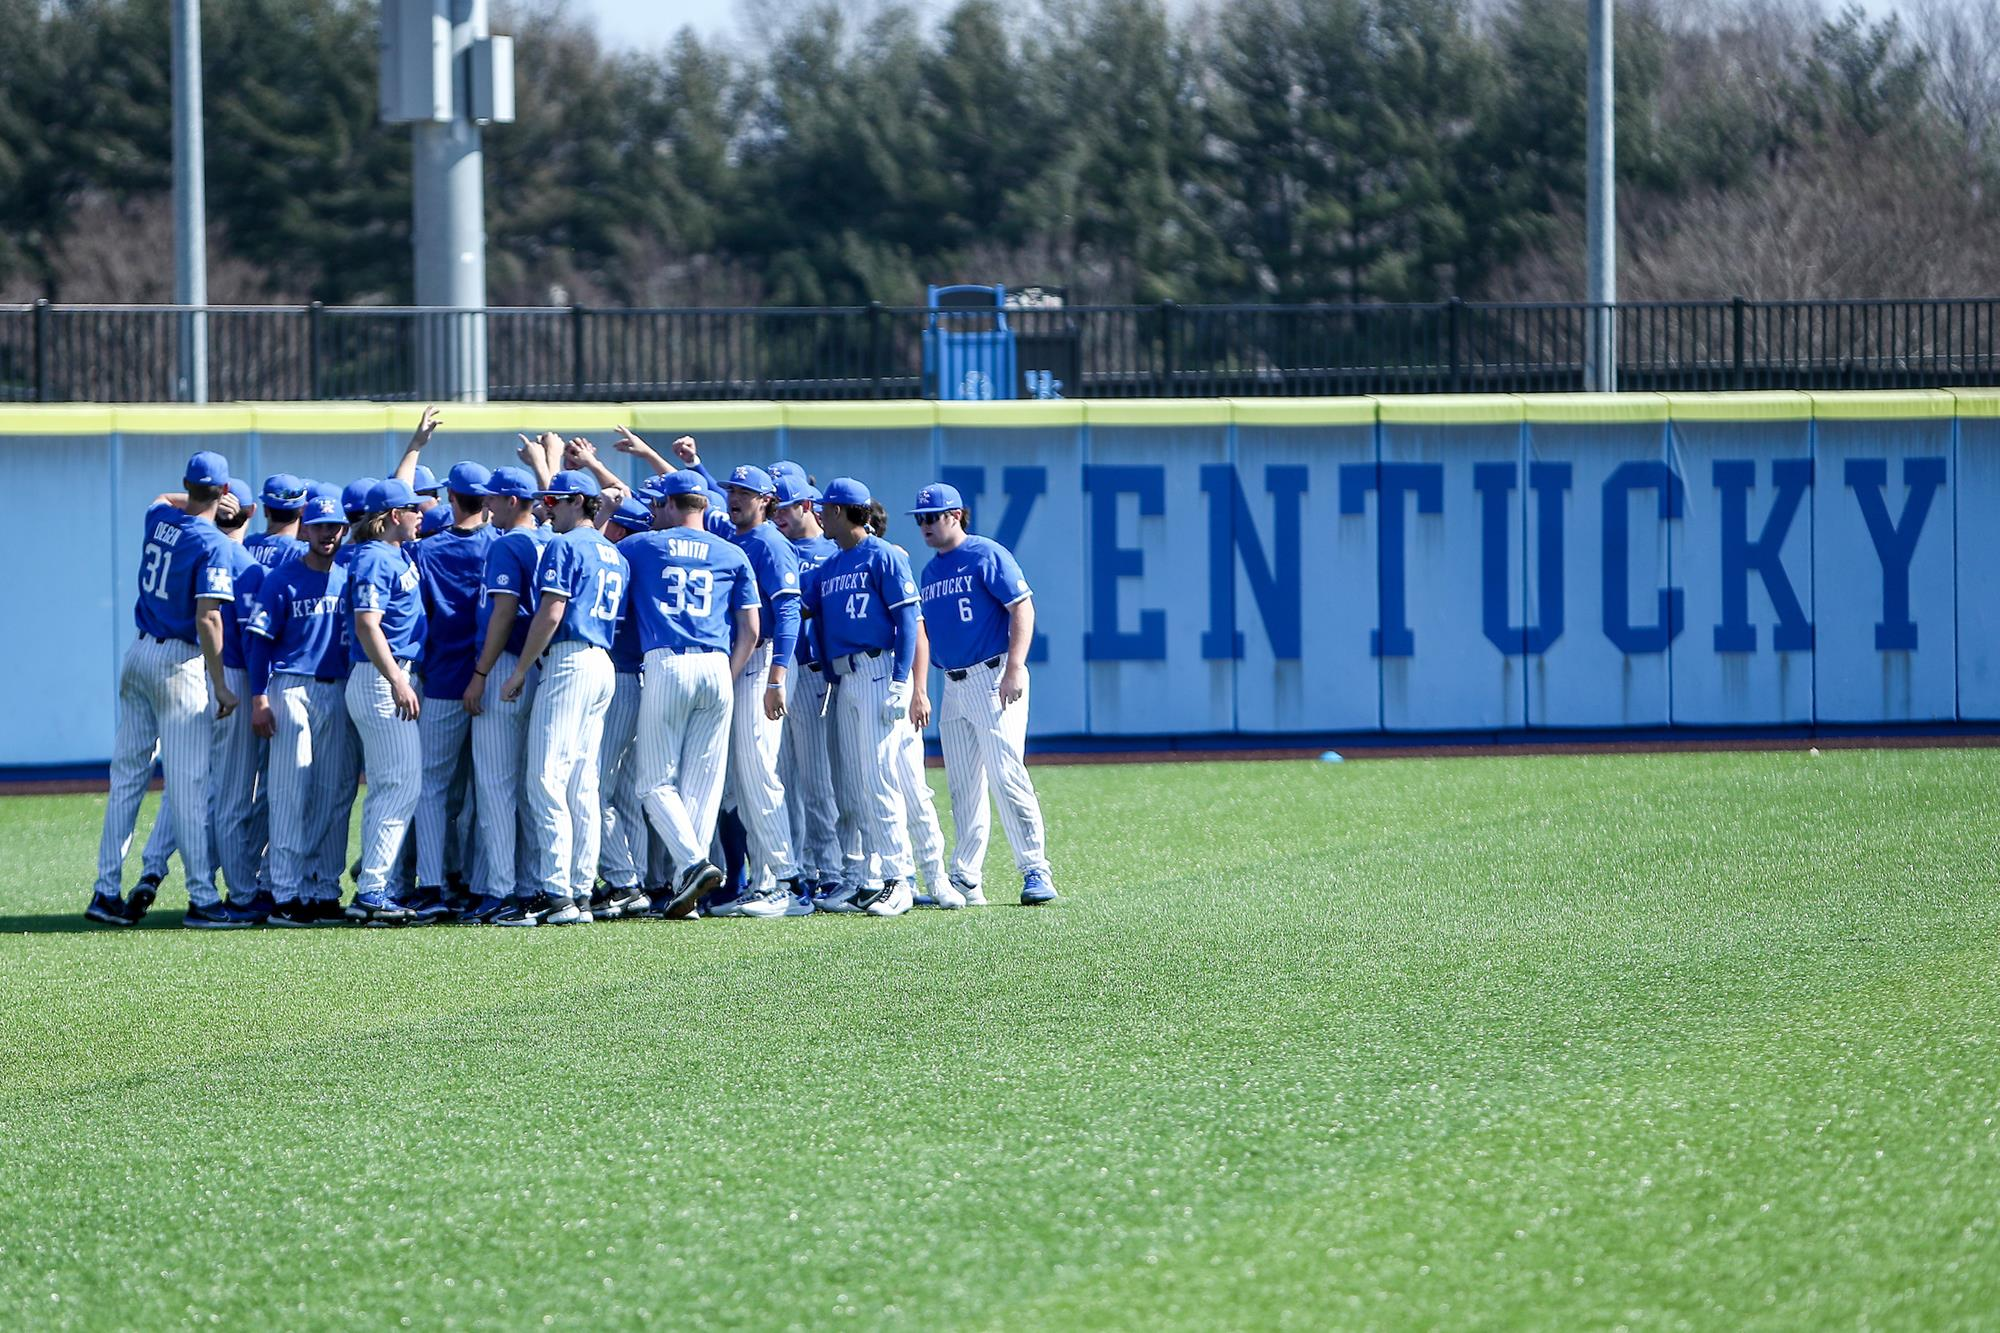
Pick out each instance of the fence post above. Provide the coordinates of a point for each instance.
(1167, 321)
(875, 349)
(577, 379)
(1454, 315)
(315, 389)
(43, 389)
(1737, 308)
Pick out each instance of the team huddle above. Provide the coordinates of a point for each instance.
(572, 699)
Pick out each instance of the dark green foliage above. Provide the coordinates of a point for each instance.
(1284, 150)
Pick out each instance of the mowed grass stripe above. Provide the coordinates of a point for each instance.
(1296, 1033)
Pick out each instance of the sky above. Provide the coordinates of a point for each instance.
(645, 24)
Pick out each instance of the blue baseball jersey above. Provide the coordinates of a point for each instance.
(687, 583)
(583, 566)
(183, 559)
(812, 553)
(626, 654)
(300, 611)
(271, 549)
(451, 569)
(776, 565)
(381, 578)
(510, 568)
(853, 593)
(249, 576)
(966, 594)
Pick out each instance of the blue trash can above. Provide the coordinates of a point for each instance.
(968, 348)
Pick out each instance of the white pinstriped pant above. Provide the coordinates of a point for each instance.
(752, 788)
(336, 783)
(499, 751)
(926, 838)
(621, 847)
(684, 709)
(392, 753)
(564, 733)
(238, 804)
(866, 786)
(164, 709)
(807, 774)
(443, 726)
(305, 725)
(984, 744)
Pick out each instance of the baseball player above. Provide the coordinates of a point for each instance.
(863, 606)
(294, 626)
(926, 836)
(499, 725)
(982, 619)
(385, 620)
(752, 788)
(169, 675)
(284, 496)
(580, 591)
(687, 586)
(337, 765)
(451, 568)
(622, 840)
(236, 801)
(804, 764)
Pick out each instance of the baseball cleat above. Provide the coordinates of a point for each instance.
(328, 912)
(895, 899)
(798, 902)
(107, 909)
(378, 908)
(721, 906)
(218, 916)
(427, 904)
(922, 900)
(836, 898)
(868, 895)
(563, 912)
(764, 904)
(293, 914)
(518, 912)
(142, 897)
(599, 903)
(974, 895)
(627, 902)
(947, 897)
(1036, 889)
(699, 878)
(481, 910)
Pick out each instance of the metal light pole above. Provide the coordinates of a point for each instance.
(1600, 364)
(445, 76)
(190, 206)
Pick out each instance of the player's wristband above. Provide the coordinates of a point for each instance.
(477, 672)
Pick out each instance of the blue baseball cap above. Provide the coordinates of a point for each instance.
(795, 490)
(207, 469)
(354, 496)
(282, 490)
(467, 479)
(574, 481)
(436, 519)
(240, 488)
(684, 482)
(395, 493)
(425, 481)
(633, 516)
(323, 509)
(784, 466)
(936, 498)
(513, 483)
(753, 479)
(317, 489)
(846, 491)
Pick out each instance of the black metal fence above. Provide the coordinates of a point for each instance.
(58, 353)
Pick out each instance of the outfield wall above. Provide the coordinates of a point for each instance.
(1252, 566)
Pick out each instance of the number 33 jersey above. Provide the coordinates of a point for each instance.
(686, 584)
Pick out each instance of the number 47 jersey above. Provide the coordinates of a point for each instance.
(686, 585)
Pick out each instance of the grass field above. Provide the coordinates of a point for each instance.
(1668, 1041)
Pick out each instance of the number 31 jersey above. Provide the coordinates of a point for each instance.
(686, 584)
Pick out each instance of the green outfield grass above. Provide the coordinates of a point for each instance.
(1686, 1040)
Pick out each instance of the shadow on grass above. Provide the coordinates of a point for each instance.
(74, 923)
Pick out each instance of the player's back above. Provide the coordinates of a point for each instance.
(178, 563)
(686, 583)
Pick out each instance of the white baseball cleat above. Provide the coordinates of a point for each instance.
(974, 895)
(896, 898)
(764, 904)
(947, 897)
